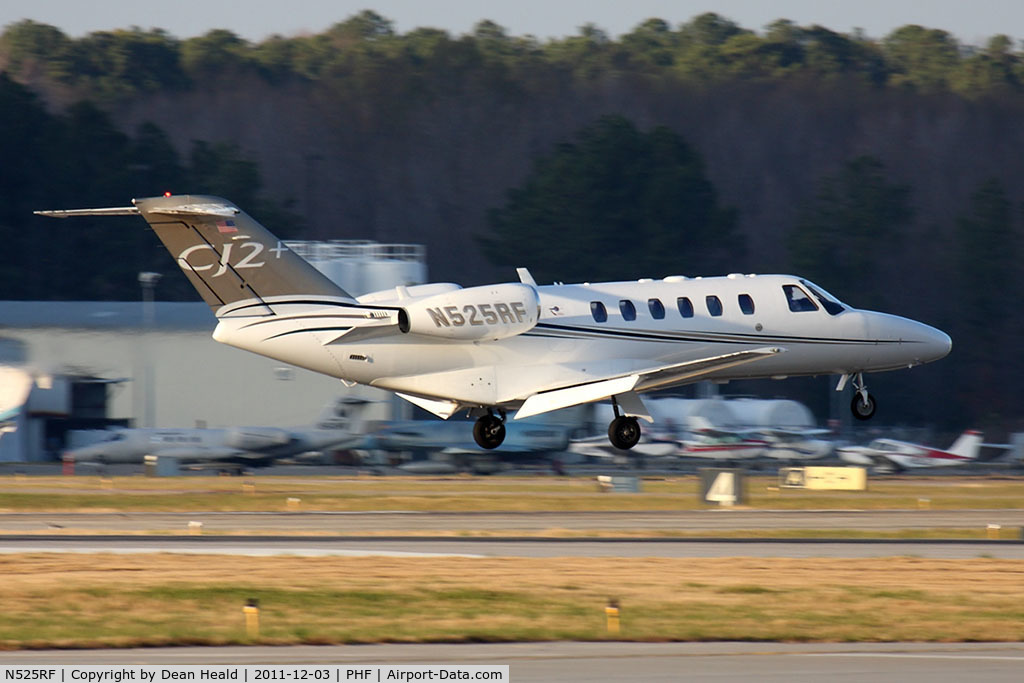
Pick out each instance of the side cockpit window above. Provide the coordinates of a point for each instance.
(599, 312)
(798, 299)
(827, 301)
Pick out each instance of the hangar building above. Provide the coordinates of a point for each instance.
(80, 365)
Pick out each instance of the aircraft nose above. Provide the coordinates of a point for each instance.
(934, 344)
(916, 342)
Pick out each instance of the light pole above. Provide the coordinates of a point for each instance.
(147, 280)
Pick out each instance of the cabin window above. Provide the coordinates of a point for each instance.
(714, 305)
(685, 307)
(798, 300)
(746, 304)
(628, 309)
(599, 312)
(657, 308)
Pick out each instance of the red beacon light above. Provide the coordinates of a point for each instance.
(167, 193)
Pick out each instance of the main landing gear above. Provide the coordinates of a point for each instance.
(624, 430)
(863, 405)
(489, 430)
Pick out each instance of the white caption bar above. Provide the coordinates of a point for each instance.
(322, 673)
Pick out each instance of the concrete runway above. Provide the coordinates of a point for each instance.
(398, 521)
(613, 661)
(311, 546)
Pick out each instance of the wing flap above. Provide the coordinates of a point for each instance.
(547, 401)
(642, 380)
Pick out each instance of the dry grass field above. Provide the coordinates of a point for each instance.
(464, 494)
(115, 601)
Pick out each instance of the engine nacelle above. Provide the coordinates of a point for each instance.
(486, 312)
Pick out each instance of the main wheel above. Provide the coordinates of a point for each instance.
(489, 432)
(624, 432)
(863, 410)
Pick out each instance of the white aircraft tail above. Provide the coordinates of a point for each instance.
(347, 413)
(226, 255)
(968, 445)
(699, 423)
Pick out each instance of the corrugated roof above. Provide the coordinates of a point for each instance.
(167, 315)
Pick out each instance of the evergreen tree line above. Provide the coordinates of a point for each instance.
(78, 158)
(358, 51)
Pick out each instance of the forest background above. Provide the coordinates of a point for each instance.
(890, 171)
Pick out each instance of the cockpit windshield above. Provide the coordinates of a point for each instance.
(827, 301)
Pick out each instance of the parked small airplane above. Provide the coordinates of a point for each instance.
(791, 444)
(519, 346)
(338, 427)
(709, 442)
(890, 454)
(599, 447)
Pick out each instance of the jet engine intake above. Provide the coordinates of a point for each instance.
(485, 312)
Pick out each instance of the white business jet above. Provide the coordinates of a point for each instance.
(516, 345)
(340, 426)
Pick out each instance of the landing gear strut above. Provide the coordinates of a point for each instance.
(863, 405)
(489, 431)
(624, 430)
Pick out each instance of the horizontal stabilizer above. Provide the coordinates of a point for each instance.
(72, 213)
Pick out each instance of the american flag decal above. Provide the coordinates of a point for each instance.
(226, 226)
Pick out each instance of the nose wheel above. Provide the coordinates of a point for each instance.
(863, 405)
(489, 431)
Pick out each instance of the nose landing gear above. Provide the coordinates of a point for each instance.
(489, 431)
(863, 405)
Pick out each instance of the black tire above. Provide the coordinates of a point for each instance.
(489, 432)
(863, 410)
(624, 432)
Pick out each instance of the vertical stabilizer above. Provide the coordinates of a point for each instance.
(968, 445)
(347, 413)
(227, 255)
